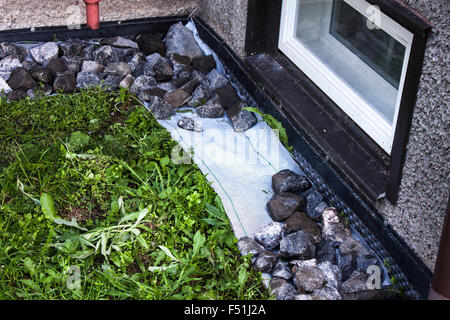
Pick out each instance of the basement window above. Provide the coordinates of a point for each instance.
(355, 54)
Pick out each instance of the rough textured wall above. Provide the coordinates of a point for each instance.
(229, 19)
(15, 14)
(419, 214)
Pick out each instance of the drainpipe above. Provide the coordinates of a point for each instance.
(440, 287)
(92, 14)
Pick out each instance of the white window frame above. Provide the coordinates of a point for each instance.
(357, 108)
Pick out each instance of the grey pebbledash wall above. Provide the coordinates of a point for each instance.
(419, 214)
(229, 19)
(17, 14)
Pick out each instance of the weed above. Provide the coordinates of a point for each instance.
(275, 125)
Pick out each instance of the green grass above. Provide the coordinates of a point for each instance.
(87, 185)
(276, 125)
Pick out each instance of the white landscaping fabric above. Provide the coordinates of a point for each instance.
(238, 165)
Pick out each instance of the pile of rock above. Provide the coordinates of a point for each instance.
(168, 74)
(308, 249)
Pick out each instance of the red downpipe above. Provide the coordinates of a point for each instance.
(92, 14)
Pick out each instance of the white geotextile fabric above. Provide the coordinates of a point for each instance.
(238, 165)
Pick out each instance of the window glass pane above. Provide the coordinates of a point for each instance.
(374, 46)
(368, 60)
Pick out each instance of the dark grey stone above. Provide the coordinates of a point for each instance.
(111, 82)
(308, 276)
(73, 48)
(270, 235)
(147, 69)
(265, 262)
(365, 261)
(17, 52)
(331, 272)
(282, 270)
(16, 95)
(42, 74)
(65, 82)
(316, 214)
(177, 98)
(189, 124)
(282, 206)
(137, 58)
(142, 69)
(119, 69)
(228, 96)
(181, 79)
(56, 66)
(333, 226)
(192, 85)
(105, 55)
(216, 80)
(153, 92)
(300, 221)
(297, 245)
(211, 109)
(282, 289)
(88, 52)
(180, 40)
(180, 64)
(347, 265)
(7, 65)
(125, 54)
(349, 251)
(248, 246)
(150, 63)
(88, 79)
(73, 64)
(92, 66)
(150, 43)
(142, 83)
(325, 251)
(200, 95)
(313, 199)
(355, 283)
(127, 82)
(163, 70)
(204, 64)
(327, 292)
(244, 119)
(43, 53)
(288, 181)
(179, 59)
(20, 79)
(154, 58)
(378, 294)
(160, 109)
